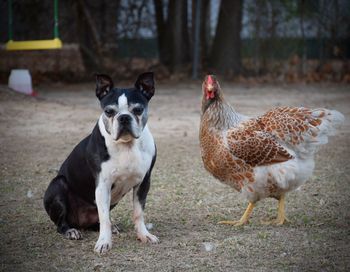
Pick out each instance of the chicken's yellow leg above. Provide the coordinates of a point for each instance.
(281, 216)
(244, 219)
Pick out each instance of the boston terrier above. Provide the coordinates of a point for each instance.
(116, 157)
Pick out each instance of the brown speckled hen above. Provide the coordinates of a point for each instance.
(261, 157)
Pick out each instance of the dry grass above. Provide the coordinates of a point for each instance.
(185, 203)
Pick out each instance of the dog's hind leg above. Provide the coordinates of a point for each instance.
(57, 206)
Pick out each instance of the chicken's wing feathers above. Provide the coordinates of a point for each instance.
(255, 147)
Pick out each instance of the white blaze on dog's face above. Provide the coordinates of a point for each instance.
(125, 110)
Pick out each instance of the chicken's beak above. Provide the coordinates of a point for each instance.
(210, 87)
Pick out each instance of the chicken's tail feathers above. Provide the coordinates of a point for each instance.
(322, 124)
(336, 119)
(327, 123)
(331, 121)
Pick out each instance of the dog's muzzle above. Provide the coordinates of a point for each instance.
(125, 131)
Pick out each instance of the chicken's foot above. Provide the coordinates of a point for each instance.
(244, 219)
(281, 216)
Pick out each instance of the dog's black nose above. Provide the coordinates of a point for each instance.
(124, 119)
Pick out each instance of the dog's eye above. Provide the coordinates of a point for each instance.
(138, 110)
(109, 112)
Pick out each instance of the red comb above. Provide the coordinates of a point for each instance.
(210, 79)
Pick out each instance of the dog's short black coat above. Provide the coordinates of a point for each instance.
(74, 187)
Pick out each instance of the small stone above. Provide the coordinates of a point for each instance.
(149, 226)
(30, 194)
(207, 246)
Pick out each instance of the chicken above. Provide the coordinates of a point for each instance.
(261, 157)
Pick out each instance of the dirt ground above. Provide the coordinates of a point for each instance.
(185, 203)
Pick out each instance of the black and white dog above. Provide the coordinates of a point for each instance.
(116, 157)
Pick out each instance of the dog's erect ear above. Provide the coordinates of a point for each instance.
(103, 85)
(145, 84)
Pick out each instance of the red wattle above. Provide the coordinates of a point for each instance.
(209, 95)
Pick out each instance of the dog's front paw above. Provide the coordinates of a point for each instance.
(147, 237)
(103, 245)
(73, 234)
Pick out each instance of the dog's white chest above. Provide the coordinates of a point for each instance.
(126, 172)
(128, 165)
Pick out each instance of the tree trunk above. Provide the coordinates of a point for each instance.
(196, 25)
(302, 17)
(179, 34)
(205, 31)
(257, 40)
(226, 51)
(173, 37)
(103, 18)
(162, 33)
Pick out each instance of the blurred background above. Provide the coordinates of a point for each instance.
(251, 40)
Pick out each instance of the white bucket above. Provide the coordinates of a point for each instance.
(21, 81)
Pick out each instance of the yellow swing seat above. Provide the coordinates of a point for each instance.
(34, 45)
